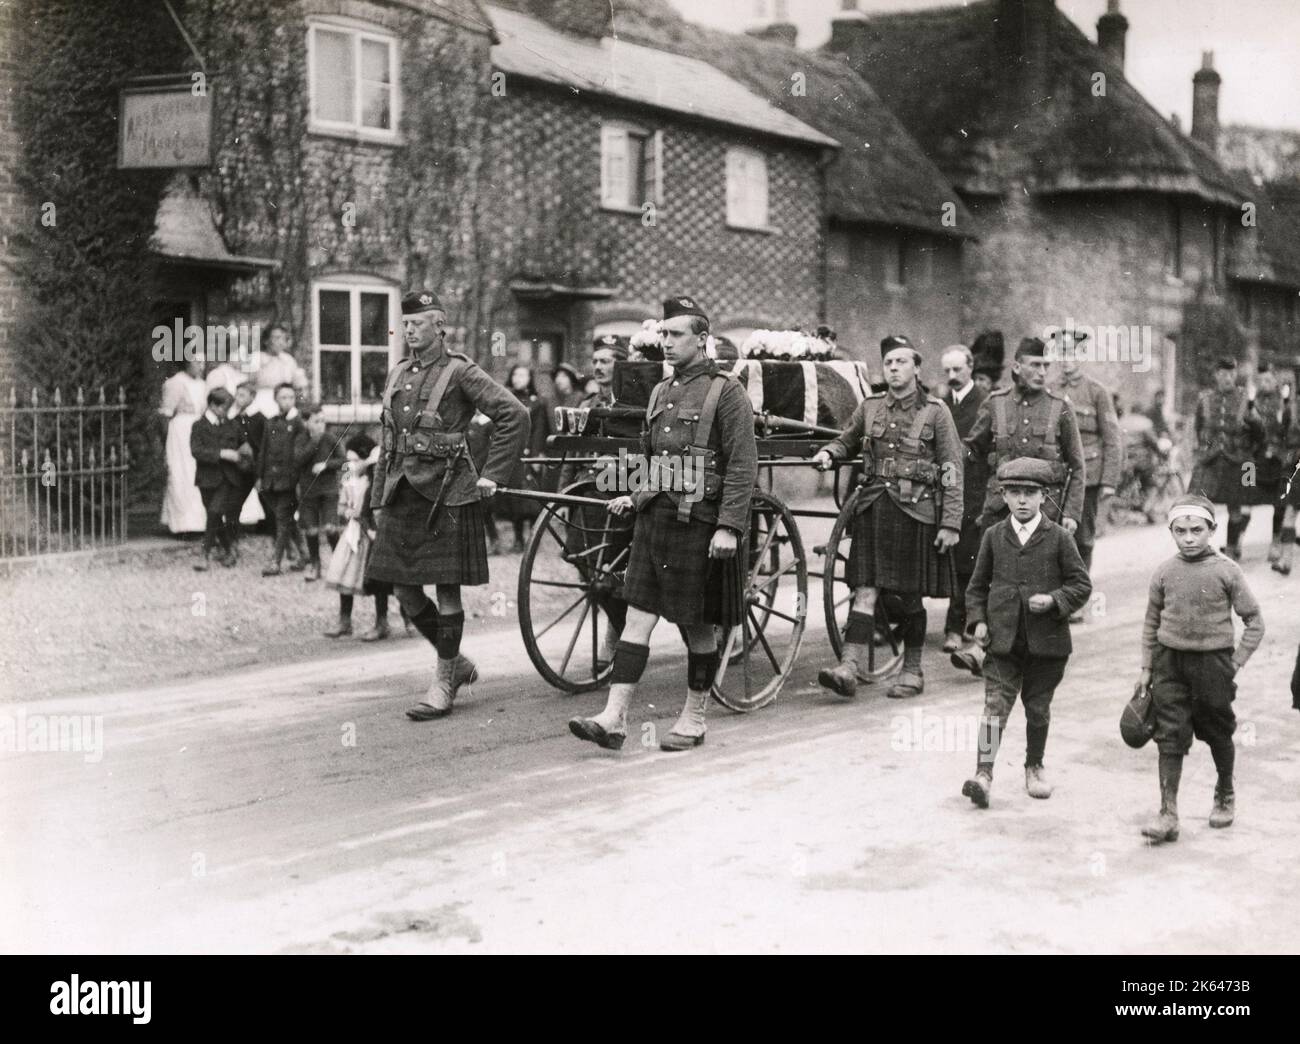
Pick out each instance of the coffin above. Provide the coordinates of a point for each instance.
(820, 393)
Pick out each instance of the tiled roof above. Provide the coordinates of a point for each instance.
(631, 72)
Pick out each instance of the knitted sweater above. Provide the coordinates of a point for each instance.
(1190, 606)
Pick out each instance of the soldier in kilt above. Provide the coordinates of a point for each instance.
(1273, 413)
(427, 494)
(907, 515)
(688, 546)
(1227, 436)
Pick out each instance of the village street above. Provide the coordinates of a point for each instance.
(293, 808)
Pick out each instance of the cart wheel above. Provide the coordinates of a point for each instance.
(573, 565)
(845, 483)
(885, 654)
(758, 655)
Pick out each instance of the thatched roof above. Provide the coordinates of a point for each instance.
(879, 176)
(959, 87)
(1275, 257)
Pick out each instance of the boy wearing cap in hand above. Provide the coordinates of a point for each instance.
(1189, 661)
(1028, 579)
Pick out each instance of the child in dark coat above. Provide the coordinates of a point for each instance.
(1189, 661)
(1028, 579)
(277, 475)
(320, 459)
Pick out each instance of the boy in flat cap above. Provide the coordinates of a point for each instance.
(685, 565)
(1227, 435)
(1030, 420)
(907, 515)
(1189, 661)
(426, 492)
(1028, 579)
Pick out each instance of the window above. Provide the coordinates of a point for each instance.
(1175, 241)
(354, 79)
(356, 345)
(631, 166)
(746, 188)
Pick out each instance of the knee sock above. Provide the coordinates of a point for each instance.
(860, 629)
(629, 665)
(1277, 519)
(345, 605)
(450, 628)
(313, 548)
(1035, 744)
(381, 607)
(701, 668)
(913, 640)
(426, 622)
(1225, 757)
(1171, 771)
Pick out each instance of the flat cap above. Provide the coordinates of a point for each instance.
(1025, 471)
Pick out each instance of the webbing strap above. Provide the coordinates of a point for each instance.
(702, 432)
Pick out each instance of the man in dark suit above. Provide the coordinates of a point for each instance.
(1028, 579)
(214, 443)
(963, 397)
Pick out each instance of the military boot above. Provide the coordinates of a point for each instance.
(978, 788)
(1225, 802)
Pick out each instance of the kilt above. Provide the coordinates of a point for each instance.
(1219, 481)
(893, 551)
(671, 575)
(406, 552)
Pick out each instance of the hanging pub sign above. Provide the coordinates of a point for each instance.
(165, 122)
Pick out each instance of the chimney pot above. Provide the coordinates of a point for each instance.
(1205, 103)
(778, 32)
(848, 30)
(1112, 31)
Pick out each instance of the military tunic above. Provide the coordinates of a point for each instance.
(412, 546)
(670, 573)
(1227, 435)
(1029, 431)
(1273, 414)
(1103, 449)
(912, 486)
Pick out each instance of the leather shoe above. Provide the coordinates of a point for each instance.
(424, 712)
(1036, 782)
(1161, 829)
(377, 633)
(951, 642)
(676, 741)
(977, 789)
(594, 732)
(969, 659)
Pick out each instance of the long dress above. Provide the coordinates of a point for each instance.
(182, 508)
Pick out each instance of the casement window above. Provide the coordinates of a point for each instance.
(631, 167)
(746, 188)
(353, 75)
(356, 342)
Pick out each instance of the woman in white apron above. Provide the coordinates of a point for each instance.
(184, 398)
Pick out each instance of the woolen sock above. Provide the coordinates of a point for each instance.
(1171, 771)
(913, 641)
(1035, 744)
(450, 628)
(1225, 759)
(861, 627)
(381, 607)
(313, 548)
(426, 621)
(701, 668)
(629, 663)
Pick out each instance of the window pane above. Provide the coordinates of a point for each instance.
(335, 376)
(638, 188)
(374, 319)
(332, 89)
(374, 372)
(334, 323)
(374, 61)
(375, 107)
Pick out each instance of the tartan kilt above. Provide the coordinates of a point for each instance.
(406, 552)
(1219, 481)
(671, 575)
(893, 551)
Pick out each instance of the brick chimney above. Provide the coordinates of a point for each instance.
(777, 32)
(1025, 34)
(1112, 28)
(848, 29)
(1205, 103)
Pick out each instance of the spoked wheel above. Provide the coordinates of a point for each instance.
(573, 566)
(885, 653)
(758, 655)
